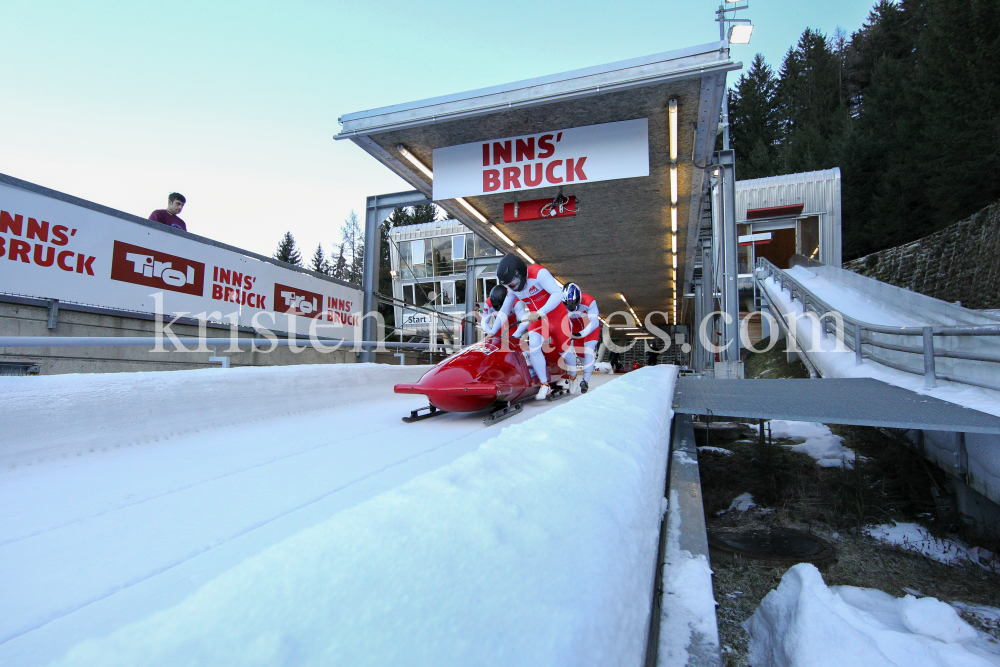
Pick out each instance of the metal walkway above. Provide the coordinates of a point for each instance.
(857, 401)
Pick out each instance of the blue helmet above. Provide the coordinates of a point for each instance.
(571, 296)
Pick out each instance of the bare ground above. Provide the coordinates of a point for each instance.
(889, 482)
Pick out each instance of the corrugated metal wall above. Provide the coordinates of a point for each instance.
(818, 191)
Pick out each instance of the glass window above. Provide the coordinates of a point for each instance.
(422, 293)
(458, 247)
(408, 293)
(460, 292)
(441, 258)
(809, 237)
(418, 258)
(448, 293)
(405, 263)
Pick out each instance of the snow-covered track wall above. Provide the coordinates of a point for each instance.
(65, 416)
(539, 548)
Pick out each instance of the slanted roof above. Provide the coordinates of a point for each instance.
(619, 241)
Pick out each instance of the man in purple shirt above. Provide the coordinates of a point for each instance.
(168, 215)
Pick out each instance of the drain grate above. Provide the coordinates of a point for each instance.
(775, 546)
(8, 368)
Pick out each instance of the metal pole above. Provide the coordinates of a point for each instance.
(696, 362)
(369, 278)
(728, 256)
(930, 377)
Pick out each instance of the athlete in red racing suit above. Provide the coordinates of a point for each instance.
(542, 297)
(585, 319)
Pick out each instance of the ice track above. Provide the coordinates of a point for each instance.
(107, 518)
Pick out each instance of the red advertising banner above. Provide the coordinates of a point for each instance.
(152, 268)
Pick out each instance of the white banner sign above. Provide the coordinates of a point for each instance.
(577, 155)
(51, 249)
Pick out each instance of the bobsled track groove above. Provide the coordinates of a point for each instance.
(223, 476)
(90, 541)
(247, 529)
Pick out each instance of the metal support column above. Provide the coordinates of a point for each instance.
(728, 255)
(377, 209)
(707, 305)
(471, 264)
(698, 357)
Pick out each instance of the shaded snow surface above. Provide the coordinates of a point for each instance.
(805, 624)
(537, 548)
(914, 537)
(815, 440)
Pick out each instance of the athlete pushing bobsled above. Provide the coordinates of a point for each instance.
(542, 298)
(516, 326)
(586, 327)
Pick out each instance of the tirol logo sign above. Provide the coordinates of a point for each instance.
(575, 155)
(294, 301)
(152, 268)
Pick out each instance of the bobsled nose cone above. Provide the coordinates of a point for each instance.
(453, 390)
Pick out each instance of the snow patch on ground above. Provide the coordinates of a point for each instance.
(742, 503)
(535, 549)
(817, 441)
(716, 450)
(803, 623)
(984, 613)
(914, 537)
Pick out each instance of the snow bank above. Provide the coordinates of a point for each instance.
(53, 417)
(817, 441)
(538, 548)
(805, 624)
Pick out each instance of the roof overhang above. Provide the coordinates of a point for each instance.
(620, 239)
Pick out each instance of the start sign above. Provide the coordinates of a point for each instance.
(577, 155)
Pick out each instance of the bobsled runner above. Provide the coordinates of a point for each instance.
(484, 375)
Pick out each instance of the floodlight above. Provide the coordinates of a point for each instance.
(740, 33)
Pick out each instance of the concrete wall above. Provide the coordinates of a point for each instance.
(29, 317)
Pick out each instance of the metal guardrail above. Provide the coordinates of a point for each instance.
(858, 333)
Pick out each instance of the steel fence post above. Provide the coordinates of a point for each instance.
(858, 356)
(930, 377)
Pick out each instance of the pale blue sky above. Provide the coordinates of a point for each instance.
(234, 104)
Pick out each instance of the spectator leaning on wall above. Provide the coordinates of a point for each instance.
(168, 215)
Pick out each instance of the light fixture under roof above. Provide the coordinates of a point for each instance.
(415, 161)
(473, 211)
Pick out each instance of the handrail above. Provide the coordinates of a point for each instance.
(856, 342)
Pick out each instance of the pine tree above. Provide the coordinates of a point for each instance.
(808, 102)
(413, 215)
(959, 97)
(319, 264)
(884, 198)
(753, 120)
(286, 251)
(338, 268)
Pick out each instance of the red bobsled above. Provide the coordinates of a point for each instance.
(480, 376)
